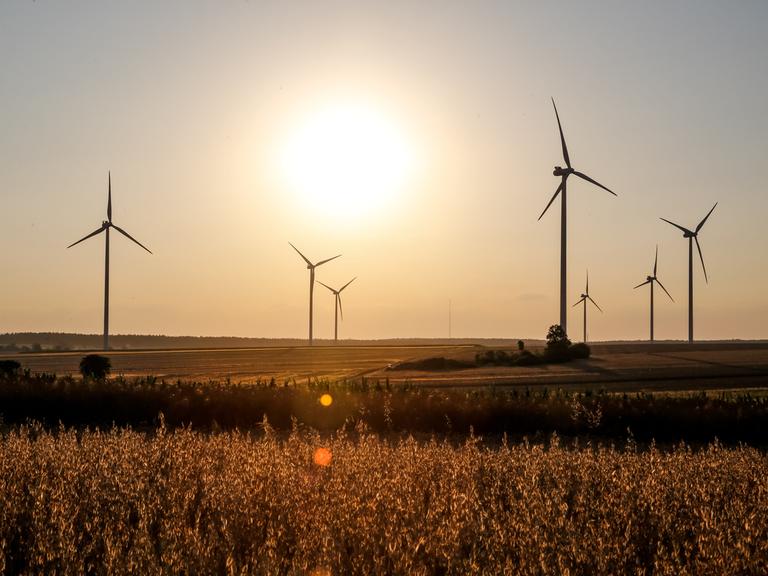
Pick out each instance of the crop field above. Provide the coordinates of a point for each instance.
(618, 367)
(183, 502)
(352, 468)
(242, 365)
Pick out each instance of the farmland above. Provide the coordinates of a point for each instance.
(616, 367)
(122, 502)
(168, 468)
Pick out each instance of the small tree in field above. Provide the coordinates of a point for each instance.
(9, 368)
(520, 345)
(95, 367)
(557, 344)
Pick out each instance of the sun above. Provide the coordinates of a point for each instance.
(346, 161)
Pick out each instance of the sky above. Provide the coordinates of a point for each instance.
(417, 139)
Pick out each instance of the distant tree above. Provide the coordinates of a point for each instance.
(520, 345)
(9, 368)
(557, 344)
(95, 367)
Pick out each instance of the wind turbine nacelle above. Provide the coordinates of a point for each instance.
(649, 278)
(560, 171)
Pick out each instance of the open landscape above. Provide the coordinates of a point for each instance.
(618, 367)
(383, 288)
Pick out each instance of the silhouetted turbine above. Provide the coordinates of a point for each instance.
(311, 267)
(692, 235)
(105, 226)
(584, 297)
(338, 308)
(650, 280)
(561, 189)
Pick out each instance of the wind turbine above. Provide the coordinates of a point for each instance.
(692, 235)
(311, 267)
(650, 280)
(561, 189)
(338, 308)
(105, 226)
(584, 297)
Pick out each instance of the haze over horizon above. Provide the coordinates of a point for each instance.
(418, 141)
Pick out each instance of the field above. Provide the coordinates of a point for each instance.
(399, 472)
(182, 502)
(617, 367)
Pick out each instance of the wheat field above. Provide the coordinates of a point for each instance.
(184, 502)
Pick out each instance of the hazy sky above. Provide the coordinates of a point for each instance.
(209, 114)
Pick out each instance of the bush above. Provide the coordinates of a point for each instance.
(9, 368)
(527, 358)
(580, 350)
(95, 367)
(520, 345)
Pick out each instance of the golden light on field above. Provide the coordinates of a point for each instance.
(326, 400)
(346, 161)
(322, 457)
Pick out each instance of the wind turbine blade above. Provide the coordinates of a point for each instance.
(302, 255)
(341, 310)
(676, 225)
(100, 230)
(705, 218)
(559, 188)
(124, 233)
(595, 182)
(348, 283)
(656, 261)
(701, 257)
(595, 303)
(109, 198)
(579, 302)
(562, 138)
(665, 290)
(586, 291)
(326, 260)
(326, 285)
(643, 284)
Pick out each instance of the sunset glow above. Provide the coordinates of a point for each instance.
(346, 161)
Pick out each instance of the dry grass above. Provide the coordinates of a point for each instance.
(184, 502)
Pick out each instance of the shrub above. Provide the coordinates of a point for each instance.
(95, 366)
(485, 357)
(9, 368)
(580, 350)
(527, 358)
(520, 345)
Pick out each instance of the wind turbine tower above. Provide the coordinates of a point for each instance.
(311, 267)
(105, 226)
(692, 235)
(338, 308)
(563, 173)
(583, 299)
(650, 280)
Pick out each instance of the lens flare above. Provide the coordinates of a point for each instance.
(326, 400)
(322, 457)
